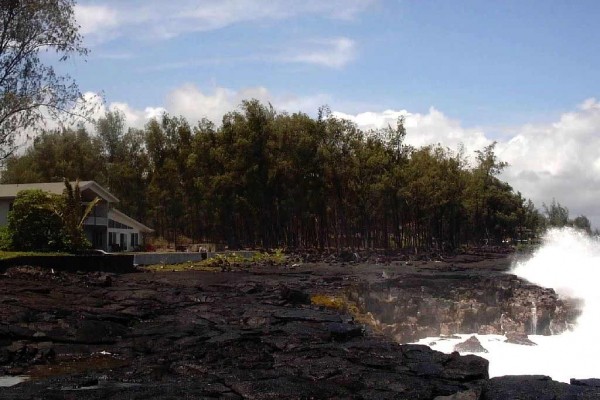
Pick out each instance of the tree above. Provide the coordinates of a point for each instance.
(33, 223)
(30, 89)
(582, 222)
(42, 221)
(557, 215)
(73, 216)
(70, 153)
(269, 179)
(486, 195)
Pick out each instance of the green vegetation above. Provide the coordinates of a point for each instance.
(5, 255)
(31, 91)
(41, 221)
(557, 216)
(224, 261)
(342, 303)
(264, 179)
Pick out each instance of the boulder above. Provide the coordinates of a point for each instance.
(471, 345)
(519, 338)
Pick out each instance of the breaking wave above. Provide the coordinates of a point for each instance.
(569, 262)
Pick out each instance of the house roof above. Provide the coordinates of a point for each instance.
(117, 215)
(11, 190)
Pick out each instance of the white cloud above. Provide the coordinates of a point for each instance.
(330, 53)
(194, 104)
(559, 159)
(333, 53)
(136, 118)
(162, 20)
(423, 129)
(96, 19)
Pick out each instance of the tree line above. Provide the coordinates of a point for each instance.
(271, 179)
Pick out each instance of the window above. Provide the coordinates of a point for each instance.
(134, 239)
(117, 225)
(112, 238)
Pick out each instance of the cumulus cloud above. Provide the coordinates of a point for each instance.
(194, 103)
(162, 20)
(559, 159)
(136, 118)
(423, 129)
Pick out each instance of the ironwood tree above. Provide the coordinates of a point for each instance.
(269, 179)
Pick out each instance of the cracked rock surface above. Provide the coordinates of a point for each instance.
(247, 333)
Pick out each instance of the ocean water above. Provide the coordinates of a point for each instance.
(569, 262)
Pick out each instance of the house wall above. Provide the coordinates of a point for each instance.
(96, 226)
(4, 206)
(118, 225)
(127, 232)
(97, 235)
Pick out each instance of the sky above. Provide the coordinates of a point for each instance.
(522, 73)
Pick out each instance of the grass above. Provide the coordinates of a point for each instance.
(6, 255)
(224, 261)
(343, 304)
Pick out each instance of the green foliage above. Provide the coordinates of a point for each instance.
(583, 223)
(226, 261)
(5, 239)
(264, 179)
(557, 215)
(34, 224)
(41, 221)
(4, 255)
(30, 91)
(278, 256)
(73, 216)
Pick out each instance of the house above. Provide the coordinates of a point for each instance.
(106, 227)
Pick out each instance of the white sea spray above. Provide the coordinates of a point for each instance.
(569, 262)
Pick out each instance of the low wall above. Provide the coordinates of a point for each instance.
(119, 263)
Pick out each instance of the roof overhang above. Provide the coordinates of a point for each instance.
(118, 216)
(10, 191)
(99, 190)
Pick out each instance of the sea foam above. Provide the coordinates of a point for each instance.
(569, 262)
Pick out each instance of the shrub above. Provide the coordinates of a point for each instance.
(33, 222)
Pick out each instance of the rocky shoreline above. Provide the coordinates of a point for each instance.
(258, 332)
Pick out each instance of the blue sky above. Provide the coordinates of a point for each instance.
(523, 73)
(487, 63)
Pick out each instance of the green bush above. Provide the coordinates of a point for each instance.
(33, 222)
(41, 221)
(5, 239)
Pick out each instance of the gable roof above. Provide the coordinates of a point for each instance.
(117, 215)
(11, 190)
